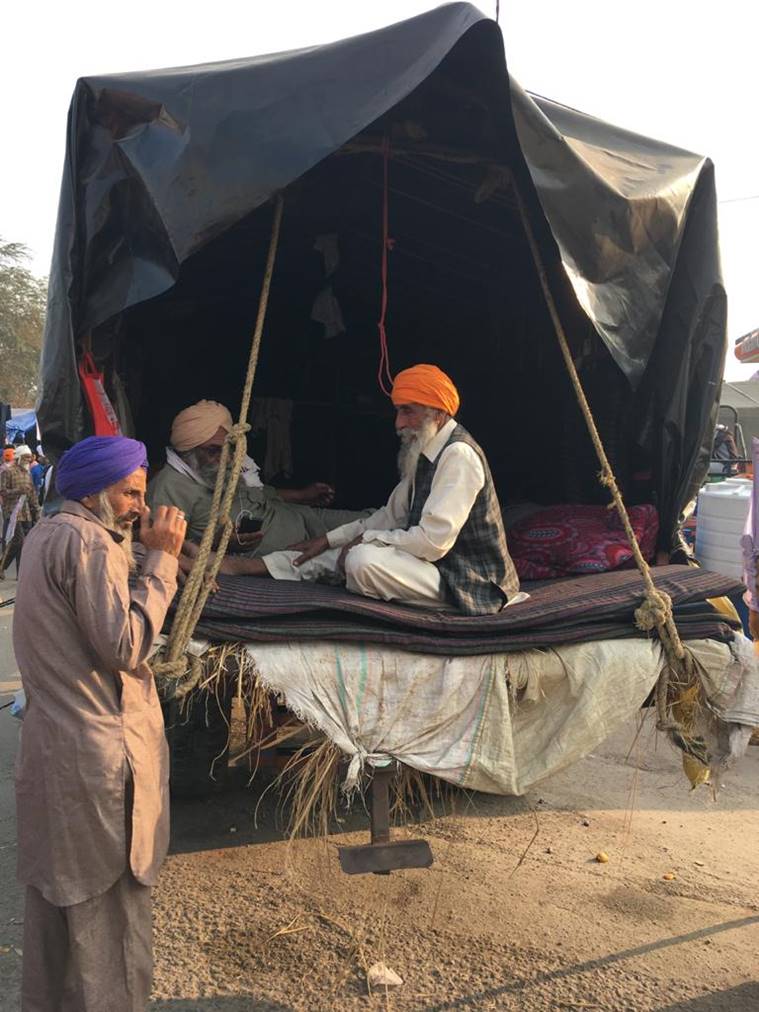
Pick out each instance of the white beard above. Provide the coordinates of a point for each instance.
(413, 442)
(105, 513)
(206, 472)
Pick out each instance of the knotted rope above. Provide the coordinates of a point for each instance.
(175, 662)
(655, 611)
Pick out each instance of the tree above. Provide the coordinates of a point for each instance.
(22, 320)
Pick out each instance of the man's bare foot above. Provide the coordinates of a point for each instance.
(190, 549)
(186, 565)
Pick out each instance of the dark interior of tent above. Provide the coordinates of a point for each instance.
(463, 293)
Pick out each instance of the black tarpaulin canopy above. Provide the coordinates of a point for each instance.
(165, 213)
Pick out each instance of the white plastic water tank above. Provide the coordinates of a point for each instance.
(722, 511)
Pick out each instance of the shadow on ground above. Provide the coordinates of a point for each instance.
(720, 1001)
(737, 999)
(239, 815)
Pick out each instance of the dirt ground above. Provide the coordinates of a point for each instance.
(243, 921)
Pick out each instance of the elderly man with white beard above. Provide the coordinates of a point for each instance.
(280, 517)
(92, 771)
(439, 542)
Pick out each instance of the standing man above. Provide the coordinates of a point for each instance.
(17, 489)
(92, 771)
(7, 461)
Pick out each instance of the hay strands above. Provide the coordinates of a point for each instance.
(309, 783)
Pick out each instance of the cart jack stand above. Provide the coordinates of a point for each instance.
(382, 855)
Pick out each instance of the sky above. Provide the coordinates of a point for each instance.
(683, 72)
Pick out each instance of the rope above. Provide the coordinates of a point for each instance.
(201, 580)
(655, 612)
(384, 376)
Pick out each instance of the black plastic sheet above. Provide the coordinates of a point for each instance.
(159, 164)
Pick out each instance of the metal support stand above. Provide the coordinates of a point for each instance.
(383, 855)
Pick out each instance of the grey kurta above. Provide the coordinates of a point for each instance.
(81, 640)
(284, 523)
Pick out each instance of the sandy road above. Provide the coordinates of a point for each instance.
(244, 922)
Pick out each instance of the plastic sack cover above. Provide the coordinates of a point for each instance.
(160, 163)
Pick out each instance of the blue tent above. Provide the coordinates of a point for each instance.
(23, 424)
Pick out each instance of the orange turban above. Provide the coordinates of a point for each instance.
(428, 385)
(196, 424)
(8, 454)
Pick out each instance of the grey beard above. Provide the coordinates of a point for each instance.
(206, 472)
(413, 442)
(106, 514)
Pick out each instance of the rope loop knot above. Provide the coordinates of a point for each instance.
(170, 669)
(654, 612)
(238, 431)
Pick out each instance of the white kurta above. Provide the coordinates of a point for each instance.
(394, 563)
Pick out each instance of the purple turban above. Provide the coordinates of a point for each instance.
(97, 462)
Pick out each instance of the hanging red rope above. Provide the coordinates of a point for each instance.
(384, 376)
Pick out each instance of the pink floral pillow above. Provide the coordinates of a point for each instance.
(564, 540)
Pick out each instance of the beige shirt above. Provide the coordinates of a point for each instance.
(93, 717)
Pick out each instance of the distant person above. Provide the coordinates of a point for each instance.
(725, 449)
(20, 507)
(37, 471)
(92, 771)
(6, 462)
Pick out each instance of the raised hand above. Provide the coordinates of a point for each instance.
(164, 530)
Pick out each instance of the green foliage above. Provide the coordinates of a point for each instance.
(22, 320)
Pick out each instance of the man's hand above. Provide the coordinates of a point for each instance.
(309, 549)
(344, 554)
(164, 530)
(246, 542)
(318, 493)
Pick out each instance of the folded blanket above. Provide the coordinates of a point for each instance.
(575, 610)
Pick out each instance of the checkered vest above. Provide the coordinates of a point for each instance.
(478, 572)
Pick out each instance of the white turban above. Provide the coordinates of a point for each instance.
(22, 451)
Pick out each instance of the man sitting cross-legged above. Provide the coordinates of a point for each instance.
(439, 541)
